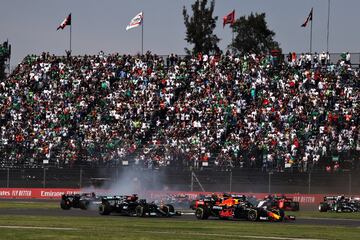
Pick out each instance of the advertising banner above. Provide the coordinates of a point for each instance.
(55, 193)
(36, 193)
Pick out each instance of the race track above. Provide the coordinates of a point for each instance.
(186, 217)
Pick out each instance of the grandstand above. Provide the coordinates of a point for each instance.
(219, 112)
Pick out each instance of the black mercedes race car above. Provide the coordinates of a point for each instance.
(151, 209)
(130, 205)
(83, 201)
(124, 205)
(340, 204)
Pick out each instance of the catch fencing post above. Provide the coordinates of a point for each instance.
(44, 177)
(192, 181)
(80, 180)
(8, 178)
(350, 190)
(230, 182)
(309, 183)
(269, 187)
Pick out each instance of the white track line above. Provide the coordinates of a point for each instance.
(41, 228)
(224, 235)
(190, 213)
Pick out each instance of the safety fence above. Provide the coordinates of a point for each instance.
(244, 180)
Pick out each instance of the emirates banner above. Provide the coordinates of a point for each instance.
(36, 193)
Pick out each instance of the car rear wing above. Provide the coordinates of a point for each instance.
(108, 198)
(66, 196)
(240, 197)
(330, 198)
(120, 198)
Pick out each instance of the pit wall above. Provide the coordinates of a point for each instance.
(55, 193)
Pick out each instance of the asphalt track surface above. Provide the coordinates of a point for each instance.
(187, 217)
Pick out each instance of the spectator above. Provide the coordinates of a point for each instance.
(222, 111)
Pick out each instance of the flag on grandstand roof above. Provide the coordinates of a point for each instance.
(309, 18)
(67, 21)
(136, 21)
(229, 19)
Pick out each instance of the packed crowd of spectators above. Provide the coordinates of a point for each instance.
(221, 111)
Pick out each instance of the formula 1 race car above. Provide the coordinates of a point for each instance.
(340, 204)
(227, 199)
(130, 205)
(151, 209)
(203, 200)
(124, 205)
(83, 201)
(282, 202)
(240, 208)
(178, 200)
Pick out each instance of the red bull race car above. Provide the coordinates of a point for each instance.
(239, 207)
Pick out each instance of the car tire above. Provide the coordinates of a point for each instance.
(139, 211)
(201, 214)
(64, 205)
(84, 205)
(171, 208)
(252, 215)
(104, 209)
(165, 209)
(323, 207)
(347, 209)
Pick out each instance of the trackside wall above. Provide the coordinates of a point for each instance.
(55, 193)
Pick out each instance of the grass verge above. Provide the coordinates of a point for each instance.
(29, 204)
(115, 227)
(317, 214)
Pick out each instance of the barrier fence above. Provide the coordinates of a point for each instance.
(136, 180)
(56, 193)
